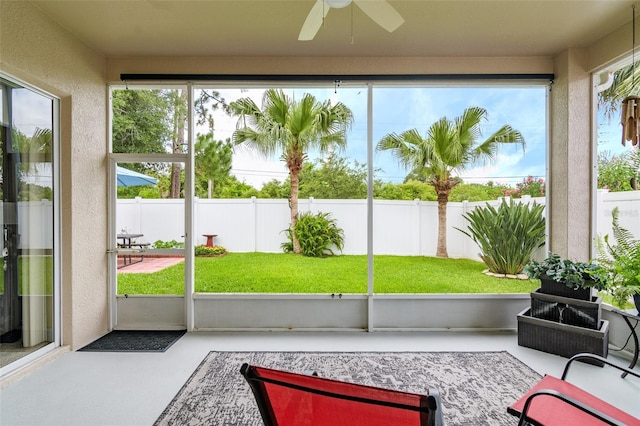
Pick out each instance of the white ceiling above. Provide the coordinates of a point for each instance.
(270, 28)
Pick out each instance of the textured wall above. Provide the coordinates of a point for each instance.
(38, 52)
(570, 170)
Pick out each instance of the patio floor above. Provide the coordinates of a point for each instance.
(82, 388)
(148, 264)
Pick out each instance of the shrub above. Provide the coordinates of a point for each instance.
(616, 172)
(317, 234)
(168, 244)
(531, 186)
(203, 250)
(507, 236)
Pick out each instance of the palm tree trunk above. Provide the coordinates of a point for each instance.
(294, 176)
(443, 199)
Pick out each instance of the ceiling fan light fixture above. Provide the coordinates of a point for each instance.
(338, 4)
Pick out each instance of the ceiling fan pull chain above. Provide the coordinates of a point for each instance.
(352, 23)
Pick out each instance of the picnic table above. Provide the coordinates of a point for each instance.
(128, 246)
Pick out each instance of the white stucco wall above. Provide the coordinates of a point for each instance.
(38, 52)
(570, 150)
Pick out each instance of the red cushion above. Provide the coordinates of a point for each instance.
(548, 410)
(296, 407)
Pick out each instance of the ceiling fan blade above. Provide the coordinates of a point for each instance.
(382, 13)
(314, 20)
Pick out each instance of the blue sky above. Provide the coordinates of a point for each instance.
(396, 109)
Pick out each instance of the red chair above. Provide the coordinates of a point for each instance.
(555, 401)
(286, 398)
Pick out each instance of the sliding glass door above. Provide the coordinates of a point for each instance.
(28, 307)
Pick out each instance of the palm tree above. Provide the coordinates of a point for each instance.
(449, 147)
(292, 128)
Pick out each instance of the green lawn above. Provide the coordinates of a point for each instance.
(35, 273)
(288, 273)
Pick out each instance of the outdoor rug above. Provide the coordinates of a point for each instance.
(135, 341)
(475, 387)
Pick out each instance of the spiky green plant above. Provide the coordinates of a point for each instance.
(507, 236)
(317, 235)
(622, 259)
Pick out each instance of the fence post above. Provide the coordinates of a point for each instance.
(465, 239)
(196, 215)
(254, 222)
(138, 219)
(602, 227)
(417, 222)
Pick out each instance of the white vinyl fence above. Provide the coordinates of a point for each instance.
(399, 227)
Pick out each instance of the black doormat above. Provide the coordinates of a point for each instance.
(135, 341)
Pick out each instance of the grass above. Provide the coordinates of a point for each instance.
(288, 273)
(35, 274)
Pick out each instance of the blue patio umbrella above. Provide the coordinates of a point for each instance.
(128, 177)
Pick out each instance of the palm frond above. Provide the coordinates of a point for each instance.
(624, 84)
(488, 149)
(405, 147)
(468, 125)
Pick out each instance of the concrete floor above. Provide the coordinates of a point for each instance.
(92, 388)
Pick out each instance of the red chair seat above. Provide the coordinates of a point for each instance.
(549, 410)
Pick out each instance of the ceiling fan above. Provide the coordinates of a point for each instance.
(379, 10)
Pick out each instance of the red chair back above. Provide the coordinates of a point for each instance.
(286, 398)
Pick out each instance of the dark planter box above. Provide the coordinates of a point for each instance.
(561, 339)
(549, 286)
(566, 310)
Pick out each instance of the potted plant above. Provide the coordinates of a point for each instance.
(567, 278)
(622, 260)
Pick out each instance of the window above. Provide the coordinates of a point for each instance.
(384, 207)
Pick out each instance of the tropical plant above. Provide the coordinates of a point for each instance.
(317, 235)
(572, 274)
(448, 148)
(292, 128)
(507, 236)
(622, 260)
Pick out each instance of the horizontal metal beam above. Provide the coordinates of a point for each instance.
(329, 77)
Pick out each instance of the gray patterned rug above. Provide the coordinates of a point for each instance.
(475, 387)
